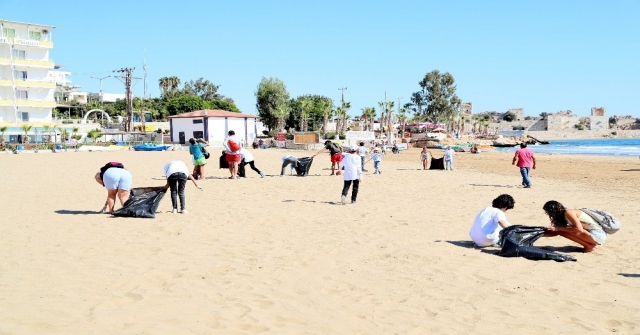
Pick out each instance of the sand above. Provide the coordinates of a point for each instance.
(281, 256)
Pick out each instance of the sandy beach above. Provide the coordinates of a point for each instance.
(281, 256)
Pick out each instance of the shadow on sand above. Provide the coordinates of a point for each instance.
(70, 212)
(483, 185)
(630, 275)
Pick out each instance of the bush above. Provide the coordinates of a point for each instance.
(289, 136)
(614, 133)
(343, 136)
(579, 126)
(509, 117)
(330, 136)
(518, 128)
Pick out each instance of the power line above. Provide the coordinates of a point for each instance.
(127, 78)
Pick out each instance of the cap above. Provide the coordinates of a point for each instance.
(354, 148)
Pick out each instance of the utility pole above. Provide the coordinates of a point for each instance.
(127, 78)
(342, 89)
(101, 99)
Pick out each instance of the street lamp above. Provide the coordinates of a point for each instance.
(101, 85)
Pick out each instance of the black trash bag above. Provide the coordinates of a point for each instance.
(517, 241)
(223, 161)
(143, 202)
(241, 173)
(437, 164)
(304, 164)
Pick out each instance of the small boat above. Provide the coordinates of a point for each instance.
(504, 145)
(150, 147)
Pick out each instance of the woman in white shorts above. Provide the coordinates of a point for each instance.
(117, 181)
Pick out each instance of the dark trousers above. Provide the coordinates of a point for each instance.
(177, 183)
(251, 164)
(286, 162)
(347, 185)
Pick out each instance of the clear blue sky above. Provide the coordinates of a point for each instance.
(543, 55)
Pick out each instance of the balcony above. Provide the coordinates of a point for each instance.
(44, 83)
(26, 40)
(44, 64)
(36, 103)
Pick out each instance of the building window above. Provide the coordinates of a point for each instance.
(20, 75)
(8, 32)
(197, 121)
(19, 54)
(22, 95)
(34, 35)
(25, 116)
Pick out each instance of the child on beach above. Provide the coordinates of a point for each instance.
(425, 155)
(376, 156)
(448, 158)
(352, 167)
(487, 225)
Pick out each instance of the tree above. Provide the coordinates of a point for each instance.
(439, 94)
(326, 108)
(26, 128)
(368, 114)
(94, 134)
(402, 116)
(2, 143)
(186, 104)
(509, 117)
(270, 95)
(281, 114)
(223, 105)
(202, 88)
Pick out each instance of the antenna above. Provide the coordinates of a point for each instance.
(144, 68)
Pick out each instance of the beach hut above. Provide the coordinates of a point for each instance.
(213, 126)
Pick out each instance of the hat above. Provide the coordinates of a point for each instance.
(353, 148)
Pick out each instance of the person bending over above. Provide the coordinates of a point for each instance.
(199, 161)
(177, 175)
(487, 225)
(336, 154)
(117, 181)
(575, 225)
(288, 160)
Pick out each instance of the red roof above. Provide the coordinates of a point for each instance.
(213, 113)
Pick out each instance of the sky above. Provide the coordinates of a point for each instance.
(543, 55)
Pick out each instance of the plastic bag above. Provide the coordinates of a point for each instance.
(303, 166)
(517, 241)
(143, 202)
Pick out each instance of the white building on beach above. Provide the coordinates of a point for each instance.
(26, 88)
(213, 126)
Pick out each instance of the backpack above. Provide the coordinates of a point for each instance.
(205, 153)
(609, 223)
(233, 146)
(336, 147)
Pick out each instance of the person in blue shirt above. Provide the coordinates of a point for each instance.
(195, 149)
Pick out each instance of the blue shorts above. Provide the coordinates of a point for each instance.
(598, 235)
(117, 179)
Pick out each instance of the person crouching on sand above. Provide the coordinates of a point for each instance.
(352, 166)
(575, 225)
(425, 155)
(487, 225)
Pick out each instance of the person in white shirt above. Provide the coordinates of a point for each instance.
(247, 158)
(288, 160)
(487, 225)
(177, 175)
(448, 158)
(352, 166)
(377, 159)
(362, 151)
(232, 153)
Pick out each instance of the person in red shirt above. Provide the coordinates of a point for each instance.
(525, 160)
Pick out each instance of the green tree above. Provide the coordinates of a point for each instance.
(223, 105)
(94, 134)
(26, 128)
(439, 93)
(186, 104)
(202, 88)
(509, 117)
(368, 115)
(270, 95)
(2, 142)
(281, 114)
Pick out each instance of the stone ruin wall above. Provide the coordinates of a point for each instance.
(518, 112)
(598, 111)
(466, 108)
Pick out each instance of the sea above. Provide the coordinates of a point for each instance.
(592, 147)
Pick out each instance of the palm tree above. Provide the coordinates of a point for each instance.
(305, 108)
(26, 128)
(327, 111)
(340, 113)
(174, 83)
(402, 116)
(2, 131)
(164, 84)
(281, 114)
(345, 117)
(94, 134)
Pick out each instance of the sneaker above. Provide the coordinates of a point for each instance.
(344, 200)
(174, 211)
(261, 175)
(184, 211)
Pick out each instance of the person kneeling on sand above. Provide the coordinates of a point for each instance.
(574, 225)
(487, 225)
(117, 181)
(177, 175)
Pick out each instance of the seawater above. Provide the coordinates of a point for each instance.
(592, 147)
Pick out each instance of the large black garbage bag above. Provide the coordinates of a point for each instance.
(517, 241)
(304, 164)
(437, 164)
(143, 202)
(223, 161)
(241, 173)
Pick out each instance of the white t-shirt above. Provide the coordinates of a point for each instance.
(362, 151)
(352, 166)
(175, 166)
(226, 144)
(486, 230)
(448, 154)
(246, 155)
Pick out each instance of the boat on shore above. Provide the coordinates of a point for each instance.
(150, 147)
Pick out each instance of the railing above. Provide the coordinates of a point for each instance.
(43, 37)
